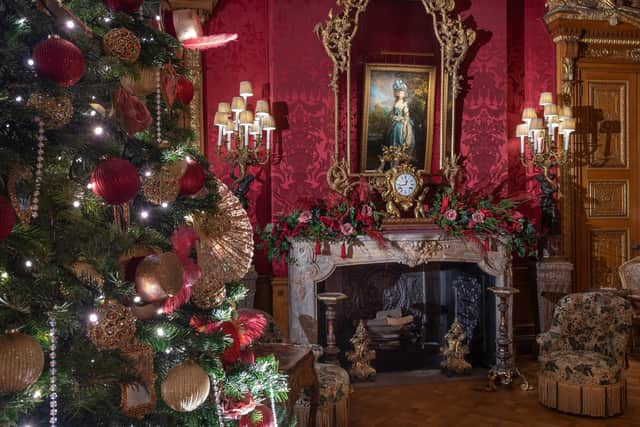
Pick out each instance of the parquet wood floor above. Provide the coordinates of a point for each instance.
(464, 404)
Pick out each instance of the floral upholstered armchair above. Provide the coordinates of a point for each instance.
(582, 356)
(630, 278)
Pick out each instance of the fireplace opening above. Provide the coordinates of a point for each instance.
(414, 308)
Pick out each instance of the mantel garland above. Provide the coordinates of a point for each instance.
(461, 215)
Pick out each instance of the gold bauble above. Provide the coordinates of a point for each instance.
(159, 277)
(163, 186)
(115, 326)
(186, 387)
(123, 44)
(227, 235)
(21, 362)
(56, 111)
(209, 292)
(144, 84)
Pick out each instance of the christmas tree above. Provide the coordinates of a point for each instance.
(120, 253)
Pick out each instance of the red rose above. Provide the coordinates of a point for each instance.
(266, 418)
(131, 112)
(516, 215)
(233, 409)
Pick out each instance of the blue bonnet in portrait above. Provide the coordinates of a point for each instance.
(399, 85)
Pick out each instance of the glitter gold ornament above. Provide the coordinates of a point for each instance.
(186, 387)
(227, 235)
(142, 85)
(21, 362)
(163, 186)
(159, 277)
(24, 215)
(123, 44)
(209, 292)
(56, 111)
(114, 328)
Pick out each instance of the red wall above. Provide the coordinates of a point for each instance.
(278, 51)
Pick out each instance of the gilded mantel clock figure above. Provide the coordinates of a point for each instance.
(403, 187)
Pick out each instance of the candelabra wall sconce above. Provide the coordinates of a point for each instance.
(244, 137)
(545, 141)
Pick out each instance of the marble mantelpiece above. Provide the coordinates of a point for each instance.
(307, 269)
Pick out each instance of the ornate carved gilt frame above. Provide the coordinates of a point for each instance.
(584, 30)
(337, 34)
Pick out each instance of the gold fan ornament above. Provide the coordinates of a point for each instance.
(210, 291)
(142, 85)
(227, 236)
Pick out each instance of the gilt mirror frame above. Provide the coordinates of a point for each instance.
(337, 34)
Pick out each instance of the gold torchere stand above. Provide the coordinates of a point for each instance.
(455, 350)
(330, 299)
(505, 371)
(361, 357)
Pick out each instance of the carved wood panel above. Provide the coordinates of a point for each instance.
(608, 198)
(609, 249)
(608, 132)
(607, 224)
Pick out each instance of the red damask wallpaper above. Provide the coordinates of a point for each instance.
(278, 51)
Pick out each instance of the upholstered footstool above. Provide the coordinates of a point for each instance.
(333, 410)
(583, 383)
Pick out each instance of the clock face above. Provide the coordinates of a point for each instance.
(405, 184)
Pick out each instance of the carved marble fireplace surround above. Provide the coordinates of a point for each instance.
(411, 248)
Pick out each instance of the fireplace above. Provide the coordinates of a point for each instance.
(426, 293)
(409, 251)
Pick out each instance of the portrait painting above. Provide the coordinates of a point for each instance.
(398, 110)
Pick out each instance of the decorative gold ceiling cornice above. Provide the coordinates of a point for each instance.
(594, 10)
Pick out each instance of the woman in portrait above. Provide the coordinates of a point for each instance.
(401, 132)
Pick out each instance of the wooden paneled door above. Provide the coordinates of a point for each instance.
(607, 223)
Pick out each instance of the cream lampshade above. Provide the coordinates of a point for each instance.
(536, 124)
(570, 125)
(246, 90)
(565, 112)
(522, 130)
(238, 104)
(221, 119)
(550, 110)
(268, 123)
(224, 107)
(262, 108)
(254, 129)
(546, 98)
(529, 114)
(246, 118)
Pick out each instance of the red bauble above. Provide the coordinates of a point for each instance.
(267, 419)
(193, 179)
(184, 91)
(115, 180)
(59, 60)
(129, 6)
(7, 218)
